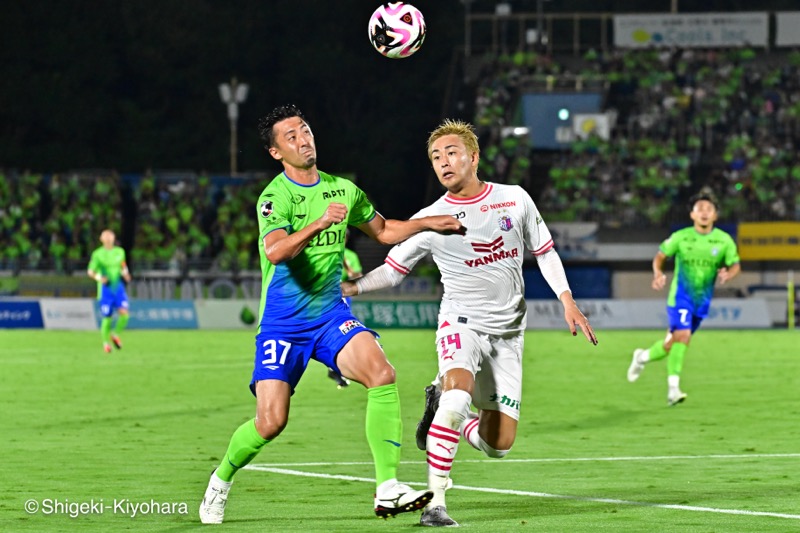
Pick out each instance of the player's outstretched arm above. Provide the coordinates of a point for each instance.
(394, 231)
(659, 278)
(380, 278)
(553, 271)
(725, 274)
(280, 246)
(575, 318)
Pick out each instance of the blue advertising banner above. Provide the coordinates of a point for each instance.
(161, 314)
(20, 314)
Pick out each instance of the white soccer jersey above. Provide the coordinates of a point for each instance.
(481, 270)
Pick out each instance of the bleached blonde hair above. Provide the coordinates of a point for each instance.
(464, 130)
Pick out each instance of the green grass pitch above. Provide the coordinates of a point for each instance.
(593, 452)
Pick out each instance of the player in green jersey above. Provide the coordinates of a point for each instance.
(107, 266)
(703, 255)
(303, 215)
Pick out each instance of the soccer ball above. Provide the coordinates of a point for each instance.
(396, 29)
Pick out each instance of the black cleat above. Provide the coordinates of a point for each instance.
(437, 517)
(432, 395)
(341, 381)
(117, 341)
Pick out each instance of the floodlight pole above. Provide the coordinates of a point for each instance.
(233, 94)
(467, 28)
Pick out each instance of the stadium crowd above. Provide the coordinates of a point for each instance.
(728, 119)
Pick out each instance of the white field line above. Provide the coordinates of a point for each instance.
(614, 501)
(564, 459)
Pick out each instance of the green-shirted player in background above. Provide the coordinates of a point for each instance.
(302, 217)
(107, 266)
(703, 254)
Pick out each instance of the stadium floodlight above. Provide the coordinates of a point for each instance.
(233, 94)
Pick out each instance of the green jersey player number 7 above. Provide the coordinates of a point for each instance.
(704, 255)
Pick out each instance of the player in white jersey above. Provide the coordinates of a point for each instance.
(482, 316)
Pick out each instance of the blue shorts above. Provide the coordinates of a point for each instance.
(683, 318)
(111, 299)
(283, 353)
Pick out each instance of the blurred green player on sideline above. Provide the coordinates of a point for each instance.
(108, 268)
(703, 254)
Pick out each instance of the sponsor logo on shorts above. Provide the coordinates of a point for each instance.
(505, 400)
(349, 326)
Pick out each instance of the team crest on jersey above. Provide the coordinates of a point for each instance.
(714, 252)
(266, 209)
(505, 223)
(349, 326)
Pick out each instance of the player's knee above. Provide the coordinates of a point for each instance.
(455, 401)
(270, 426)
(495, 453)
(381, 375)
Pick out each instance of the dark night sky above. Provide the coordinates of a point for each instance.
(132, 85)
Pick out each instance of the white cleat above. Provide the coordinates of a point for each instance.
(400, 498)
(635, 370)
(437, 517)
(212, 508)
(675, 397)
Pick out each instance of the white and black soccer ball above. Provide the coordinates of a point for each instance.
(396, 29)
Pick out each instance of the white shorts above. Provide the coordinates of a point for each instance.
(494, 360)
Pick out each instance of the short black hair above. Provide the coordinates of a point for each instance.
(266, 124)
(704, 194)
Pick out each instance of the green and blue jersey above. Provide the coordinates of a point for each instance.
(697, 259)
(108, 262)
(302, 289)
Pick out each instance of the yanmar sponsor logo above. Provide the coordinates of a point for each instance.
(493, 252)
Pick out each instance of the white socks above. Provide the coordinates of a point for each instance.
(442, 442)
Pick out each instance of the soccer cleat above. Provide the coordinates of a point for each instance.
(436, 517)
(341, 381)
(635, 370)
(432, 395)
(212, 508)
(401, 498)
(106, 347)
(117, 341)
(675, 397)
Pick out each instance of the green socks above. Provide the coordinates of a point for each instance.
(245, 445)
(384, 430)
(675, 361)
(105, 330)
(122, 321)
(657, 351)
